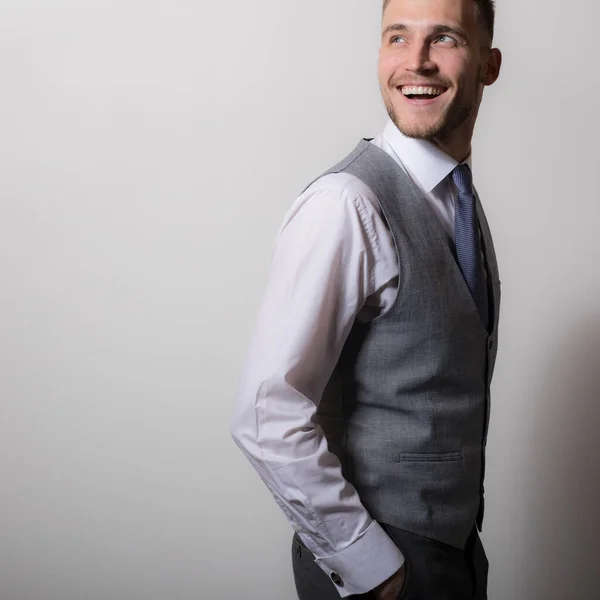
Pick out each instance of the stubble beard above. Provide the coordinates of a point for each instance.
(455, 115)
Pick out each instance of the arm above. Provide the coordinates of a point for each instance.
(320, 276)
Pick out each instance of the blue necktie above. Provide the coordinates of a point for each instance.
(468, 242)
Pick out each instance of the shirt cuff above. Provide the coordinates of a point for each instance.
(359, 568)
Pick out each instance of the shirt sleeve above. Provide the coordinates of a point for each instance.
(321, 273)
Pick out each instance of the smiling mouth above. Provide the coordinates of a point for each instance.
(421, 92)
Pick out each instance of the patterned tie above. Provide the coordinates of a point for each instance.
(468, 242)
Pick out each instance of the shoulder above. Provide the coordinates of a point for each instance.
(336, 196)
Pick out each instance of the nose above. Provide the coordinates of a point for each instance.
(419, 59)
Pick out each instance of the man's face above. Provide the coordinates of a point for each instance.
(433, 65)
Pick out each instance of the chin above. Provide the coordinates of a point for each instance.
(420, 131)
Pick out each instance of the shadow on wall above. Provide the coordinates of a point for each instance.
(563, 519)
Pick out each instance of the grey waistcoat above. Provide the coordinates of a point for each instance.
(406, 410)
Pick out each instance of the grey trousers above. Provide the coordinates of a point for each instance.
(434, 571)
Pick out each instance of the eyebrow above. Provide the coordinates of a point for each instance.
(394, 27)
(448, 29)
(436, 29)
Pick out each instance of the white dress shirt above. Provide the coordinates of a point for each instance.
(334, 261)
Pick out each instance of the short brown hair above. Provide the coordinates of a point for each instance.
(487, 9)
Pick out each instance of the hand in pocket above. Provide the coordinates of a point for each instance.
(392, 588)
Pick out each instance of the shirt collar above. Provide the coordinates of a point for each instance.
(424, 161)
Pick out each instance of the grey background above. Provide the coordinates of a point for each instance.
(136, 223)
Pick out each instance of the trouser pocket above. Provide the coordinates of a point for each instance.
(404, 592)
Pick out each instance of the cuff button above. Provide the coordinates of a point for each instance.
(337, 580)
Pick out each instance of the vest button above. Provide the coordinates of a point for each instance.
(337, 580)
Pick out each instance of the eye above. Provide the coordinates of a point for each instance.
(397, 39)
(446, 40)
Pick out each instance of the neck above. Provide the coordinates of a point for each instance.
(457, 144)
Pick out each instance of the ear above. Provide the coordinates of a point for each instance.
(491, 69)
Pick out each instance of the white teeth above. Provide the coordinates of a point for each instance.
(421, 91)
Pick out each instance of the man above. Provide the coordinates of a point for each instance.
(365, 398)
